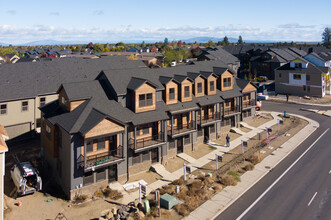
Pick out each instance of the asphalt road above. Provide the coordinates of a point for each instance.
(304, 192)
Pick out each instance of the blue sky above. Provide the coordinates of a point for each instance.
(112, 21)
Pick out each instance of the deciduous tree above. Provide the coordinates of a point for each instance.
(326, 36)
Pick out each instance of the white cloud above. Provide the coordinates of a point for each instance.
(295, 25)
(16, 34)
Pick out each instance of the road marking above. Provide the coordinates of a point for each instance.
(312, 198)
(281, 176)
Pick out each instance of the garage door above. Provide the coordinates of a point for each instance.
(18, 130)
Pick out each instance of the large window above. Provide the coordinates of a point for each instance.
(187, 91)
(227, 82)
(89, 146)
(145, 100)
(171, 93)
(187, 139)
(101, 145)
(297, 76)
(3, 109)
(298, 65)
(200, 87)
(212, 86)
(25, 106)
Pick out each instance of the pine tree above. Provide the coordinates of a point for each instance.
(240, 40)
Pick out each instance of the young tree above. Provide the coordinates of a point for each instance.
(143, 45)
(166, 41)
(180, 43)
(326, 36)
(174, 44)
(210, 43)
(226, 40)
(240, 40)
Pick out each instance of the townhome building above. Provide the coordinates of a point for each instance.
(29, 85)
(302, 78)
(125, 120)
(3, 150)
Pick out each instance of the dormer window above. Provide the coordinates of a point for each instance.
(171, 93)
(186, 91)
(212, 85)
(227, 82)
(63, 100)
(297, 76)
(146, 100)
(298, 65)
(200, 87)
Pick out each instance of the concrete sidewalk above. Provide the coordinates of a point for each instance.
(213, 207)
(196, 164)
(283, 100)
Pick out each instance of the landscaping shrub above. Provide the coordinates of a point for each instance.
(80, 198)
(179, 182)
(170, 189)
(112, 194)
(217, 187)
(208, 181)
(228, 181)
(235, 175)
(98, 193)
(182, 210)
(249, 167)
(254, 159)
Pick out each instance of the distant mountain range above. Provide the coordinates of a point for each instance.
(3, 44)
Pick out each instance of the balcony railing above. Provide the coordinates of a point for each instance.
(250, 103)
(182, 128)
(147, 141)
(231, 110)
(102, 158)
(209, 118)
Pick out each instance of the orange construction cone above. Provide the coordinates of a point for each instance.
(19, 203)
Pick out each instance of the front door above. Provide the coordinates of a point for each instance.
(206, 133)
(155, 155)
(233, 121)
(180, 145)
(112, 173)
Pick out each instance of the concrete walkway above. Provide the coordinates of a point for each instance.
(213, 207)
(186, 157)
(258, 173)
(237, 130)
(245, 125)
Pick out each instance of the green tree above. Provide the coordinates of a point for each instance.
(210, 43)
(143, 45)
(166, 40)
(174, 44)
(226, 40)
(326, 37)
(240, 40)
(98, 47)
(7, 50)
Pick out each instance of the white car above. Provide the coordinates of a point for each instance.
(262, 97)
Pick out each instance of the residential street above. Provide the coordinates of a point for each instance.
(301, 192)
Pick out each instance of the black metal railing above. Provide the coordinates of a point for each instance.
(182, 128)
(101, 158)
(250, 103)
(209, 118)
(146, 141)
(231, 110)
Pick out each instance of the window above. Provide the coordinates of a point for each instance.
(171, 93)
(308, 77)
(187, 91)
(101, 144)
(245, 97)
(145, 129)
(101, 174)
(227, 103)
(42, 101)
(199, 132)
(89, 147)
(88, 178)
(227, 82)
(63, 100)
(200, 87)
(135, 159)
(145, 156)
(48, 131)
(212, 86)
(280, 75)
(3, 109)
(25, 106)
(298, 65)
(145, 100)
(308, 87)
(171, 143)
(304, 88)
(297, 76)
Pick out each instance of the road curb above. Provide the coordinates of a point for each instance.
(300, 103)
(311, 123)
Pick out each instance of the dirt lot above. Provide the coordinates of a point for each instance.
(260, 119)
(200, 150)
(222, 139)
(174, 164)
(147, 176)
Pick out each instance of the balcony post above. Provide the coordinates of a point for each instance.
(135, 137)
(172, 124)
(84, 153)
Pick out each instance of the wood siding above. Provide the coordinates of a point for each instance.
(104, 127)
(214, 79)
(198, 80)
(174, 85)
(144, 89)
(227, 74)
(75, 104)
(185, 83)
(249, 88)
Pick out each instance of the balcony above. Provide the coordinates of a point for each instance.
(180, 129)
(207, 119)
(101, 159)
(231, 110)
(248, 104)
(142, 143)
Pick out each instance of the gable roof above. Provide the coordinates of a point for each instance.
(135, 83)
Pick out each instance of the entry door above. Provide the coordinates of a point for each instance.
(233, 121)
(180, 145)
(112, 173)
(206, 133)
(155, 155)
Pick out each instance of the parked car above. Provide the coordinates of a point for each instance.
(173, 63)
(261, 78)
(26, 178)
(260, 96)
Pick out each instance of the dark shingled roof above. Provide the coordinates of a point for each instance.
(311, 68)
(135, 83)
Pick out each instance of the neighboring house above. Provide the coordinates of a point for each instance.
(1, 60)
(27, 86)
(126, 120)
(63, 53)
(220, 54)
(136, 50)
(322, 59)
(3, 150)
(301, 77)
(11, 58)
